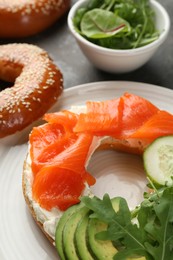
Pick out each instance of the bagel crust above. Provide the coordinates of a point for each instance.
(37, 85)
(23, 18)
(30, 205)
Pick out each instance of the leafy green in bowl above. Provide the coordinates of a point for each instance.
(118, 36)
(117, 24)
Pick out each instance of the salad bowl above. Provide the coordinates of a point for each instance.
(120, 60)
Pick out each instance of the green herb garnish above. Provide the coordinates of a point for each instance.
(117, 24)
(149, 234)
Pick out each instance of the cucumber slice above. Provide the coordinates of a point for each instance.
(158, 161)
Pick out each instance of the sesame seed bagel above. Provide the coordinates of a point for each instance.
(37, 85)
(22, 18)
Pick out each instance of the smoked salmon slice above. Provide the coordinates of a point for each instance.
(101, 118)
(136, 111)
(65, 118)
(40, 138)
(56, 187)
(69, 152)
(158, 125)
(60, 173)
(52, 138)
(59, 183)
(119, 117)
(50, 152)
(75, 156)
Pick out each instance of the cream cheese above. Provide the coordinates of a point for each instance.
(49, 219)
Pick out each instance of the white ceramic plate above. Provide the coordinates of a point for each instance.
(118, 174)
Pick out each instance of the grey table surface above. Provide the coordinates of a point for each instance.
(76, 69)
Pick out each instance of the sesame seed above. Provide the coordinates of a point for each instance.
(30, 6)
(35, 78)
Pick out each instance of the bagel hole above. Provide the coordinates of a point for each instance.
(118, 174)
(5, 84)
(8, 73)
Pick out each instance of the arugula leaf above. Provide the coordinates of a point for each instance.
(100, 207)
(161, 229)
(149, 235)
(120, 229)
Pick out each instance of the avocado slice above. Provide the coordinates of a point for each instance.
(81, 240)
(102, 250)
(60, 226)
(69, 231)
(75, 235)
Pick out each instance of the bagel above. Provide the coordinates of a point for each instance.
(28, 17)
(119, 124)
(37, 85)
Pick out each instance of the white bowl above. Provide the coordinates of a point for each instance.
(121, 61)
